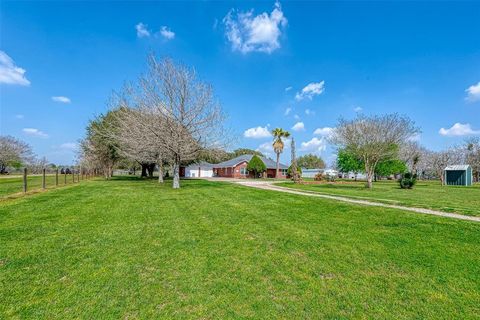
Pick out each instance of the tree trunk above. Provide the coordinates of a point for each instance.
(370, 179)
(278, 165)
(150, 168)
(160, 170)
(176, 173)
(144, 170)
(370, 173)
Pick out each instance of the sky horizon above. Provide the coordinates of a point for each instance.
(296, 65)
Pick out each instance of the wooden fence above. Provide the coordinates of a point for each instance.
(74, 176)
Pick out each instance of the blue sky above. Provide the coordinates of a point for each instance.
(271, 65)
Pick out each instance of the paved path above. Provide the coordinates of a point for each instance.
(271, 186)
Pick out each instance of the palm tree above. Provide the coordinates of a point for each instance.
(278, 134)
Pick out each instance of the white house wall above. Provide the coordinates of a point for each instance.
(193, 173)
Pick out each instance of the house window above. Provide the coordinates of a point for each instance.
(284, 171)
(243, 171)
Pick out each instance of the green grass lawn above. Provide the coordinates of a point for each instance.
(425, 194)
(133, 249)
(14, 184)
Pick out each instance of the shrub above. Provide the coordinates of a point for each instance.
(256, 165)
(318, 177)
(330, 178)
(289, 171)
(408, 180)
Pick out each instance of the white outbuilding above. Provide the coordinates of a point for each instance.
(198, 170)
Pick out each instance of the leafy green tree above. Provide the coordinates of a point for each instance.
(99, 146)
(311, 161)
(347, 162)
(389, 167)
(256, 165)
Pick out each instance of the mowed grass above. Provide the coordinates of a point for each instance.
(133, 249)
(14, 184)
(425, 194)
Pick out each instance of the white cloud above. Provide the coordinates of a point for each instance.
(473, 92)
(324, 132)
(35, 133)
(314, 145)
(309, 112)
(296, 117)
(265, 148)
(69, 146)
(61, 99)
(142, 30)
(248, 33)
(19, 116)
(358, 109)
(311, 90)
(10, 73)
(167, 33)
(299, 126)
(458, 129)
(256, 133)
(288, 89)
(287, 111)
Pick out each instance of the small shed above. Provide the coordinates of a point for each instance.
(458, 175)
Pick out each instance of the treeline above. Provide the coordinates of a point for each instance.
(16, 154)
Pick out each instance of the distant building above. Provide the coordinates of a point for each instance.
(311, 173)
(237, 168)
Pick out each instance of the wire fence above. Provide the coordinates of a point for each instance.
(27, 182)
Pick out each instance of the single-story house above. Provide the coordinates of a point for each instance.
(200, 169)
(458, 175)
(237, 168)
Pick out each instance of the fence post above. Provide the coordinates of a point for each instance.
(64, 176)
(24, 179)
(44, 183)
(73, 175)
(56, 178)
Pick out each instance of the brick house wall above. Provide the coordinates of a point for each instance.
(235, 172)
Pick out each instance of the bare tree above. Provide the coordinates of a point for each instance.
(414, 155)
(472, 155)
(373, 139)
(441, 159)
(14, 152)
(171, 116)
(136, 141)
